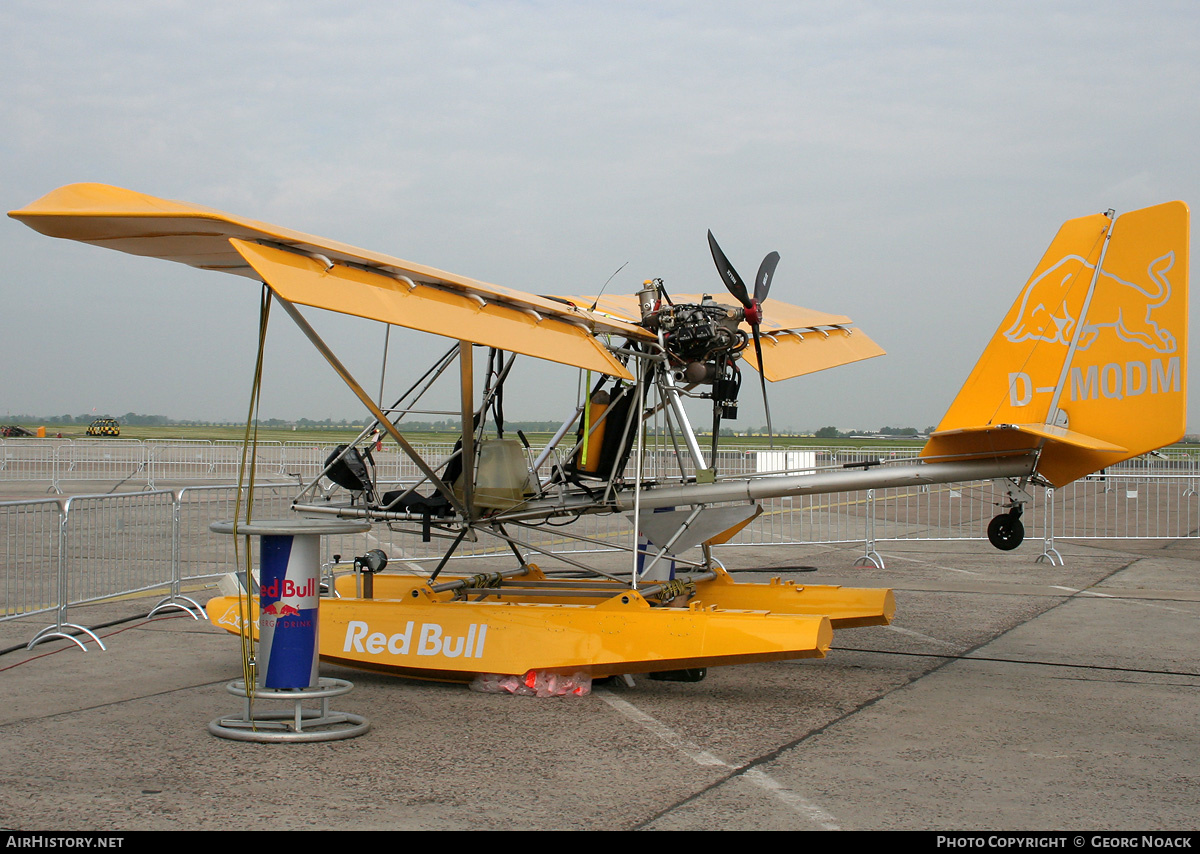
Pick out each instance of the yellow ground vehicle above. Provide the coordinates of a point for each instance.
(104, 427)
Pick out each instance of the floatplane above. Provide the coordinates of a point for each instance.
(1087, 369)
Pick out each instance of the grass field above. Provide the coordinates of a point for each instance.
(335, 435)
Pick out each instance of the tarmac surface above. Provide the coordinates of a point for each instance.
(1008, 694)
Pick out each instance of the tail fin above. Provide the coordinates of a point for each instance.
(1089, 367)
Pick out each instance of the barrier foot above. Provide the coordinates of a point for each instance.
(1050, 554)
(182, 603)
(59, 631)
(299, 724)
(873, 558)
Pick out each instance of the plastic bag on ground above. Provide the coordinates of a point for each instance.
(535, 683)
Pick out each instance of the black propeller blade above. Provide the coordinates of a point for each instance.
(753, 307)
(766, 272)
(762, 381)
(729, 275)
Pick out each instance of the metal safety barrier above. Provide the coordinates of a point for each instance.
(153, 463)
(149, 463)
(83, 549)
(175, 460)
(201, 554)
(61, 553)
(1103, 506)
(64, 552)
(30, 459)
(29, 539)
(107, 460)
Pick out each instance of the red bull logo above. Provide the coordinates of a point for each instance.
(279, 609)
(1050, 306)
(432, 639)
(231, 618)
(280, 588)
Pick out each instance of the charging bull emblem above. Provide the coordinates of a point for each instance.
(1124, 307)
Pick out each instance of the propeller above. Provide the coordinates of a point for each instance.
(752, 307)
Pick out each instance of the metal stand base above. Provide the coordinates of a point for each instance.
(300, 724)
(60, 631)
(1049, 553)
(179, 602)
(871, 557)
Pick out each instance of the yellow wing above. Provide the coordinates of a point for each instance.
(330, 275)
(795, 340)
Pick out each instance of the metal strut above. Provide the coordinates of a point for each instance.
(366, 400)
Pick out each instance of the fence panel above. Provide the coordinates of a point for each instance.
(794, 519)
(31, 459)
(29, 543)
(179, 459)
(109, 460)
(203, 554)
(227, 460)
(1110, 506)
(115, 544)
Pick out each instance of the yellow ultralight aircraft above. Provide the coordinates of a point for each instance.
(1087, 369)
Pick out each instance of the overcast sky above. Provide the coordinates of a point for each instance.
(909, 161)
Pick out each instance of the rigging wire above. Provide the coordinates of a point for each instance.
(249, 444)
(596, 302)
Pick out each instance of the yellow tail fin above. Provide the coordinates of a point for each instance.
(1089, 367)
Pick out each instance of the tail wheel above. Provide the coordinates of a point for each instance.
(1006, 531)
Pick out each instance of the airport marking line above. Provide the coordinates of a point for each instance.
(932, 565)
(1081, 592)
(1128, 599)
(921, 636)
(798, 804)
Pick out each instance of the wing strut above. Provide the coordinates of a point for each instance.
(466, 368)
(371, 406)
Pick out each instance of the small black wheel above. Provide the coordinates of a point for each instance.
(1006, 531)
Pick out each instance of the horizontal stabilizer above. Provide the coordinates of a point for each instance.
(1006, 439)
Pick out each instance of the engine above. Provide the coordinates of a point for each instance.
(703, 342)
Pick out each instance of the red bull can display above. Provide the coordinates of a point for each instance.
(288, 597)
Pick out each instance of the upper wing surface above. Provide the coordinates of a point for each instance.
(363, 293)
(201, 237)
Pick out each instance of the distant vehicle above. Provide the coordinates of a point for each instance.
(13, 431)
(104, 427)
